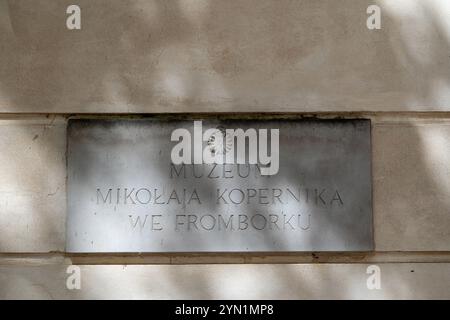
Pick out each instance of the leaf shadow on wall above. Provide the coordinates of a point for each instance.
(141, 56)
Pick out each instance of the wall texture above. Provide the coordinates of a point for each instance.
(304, 57)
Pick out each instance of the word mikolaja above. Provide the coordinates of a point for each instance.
(324, 197)
(221, 144)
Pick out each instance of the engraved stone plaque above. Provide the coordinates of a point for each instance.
(282, 185)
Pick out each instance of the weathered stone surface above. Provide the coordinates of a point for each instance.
(32, 187)
(126, 195)
(227, 56)
(412, 185)
(224, 56)
(296, 281)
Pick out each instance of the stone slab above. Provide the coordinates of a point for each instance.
(224, 56)
(33, 184)
(126, 195)
(270, 281)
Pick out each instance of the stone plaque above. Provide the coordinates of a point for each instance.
(153, 185)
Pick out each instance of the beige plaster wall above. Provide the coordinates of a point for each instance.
(228, 56)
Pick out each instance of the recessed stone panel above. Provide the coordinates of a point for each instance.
(127, 194)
